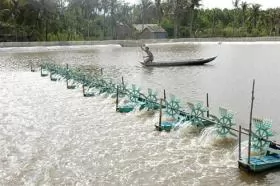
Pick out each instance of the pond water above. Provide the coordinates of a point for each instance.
(50, 135)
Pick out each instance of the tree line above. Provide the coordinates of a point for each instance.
(64, 20)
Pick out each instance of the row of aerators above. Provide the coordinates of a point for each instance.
(266, 155)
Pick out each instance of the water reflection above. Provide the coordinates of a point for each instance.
(147, 70)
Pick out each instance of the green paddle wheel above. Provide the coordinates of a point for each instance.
(70, 79)
(136, 99)
(59, 71)
(122, 90)
(92, 82)
(53, 76)
(87, 89)
(172, 110)
(134, 94)
(99, 83)
(224, 124)
(108, 86)
(197, 115)
(112, 88)
(151, 100)
(172, 107)
(262, 132)
(85, 80)
(79, 77)
(53, 72)
(44, 70)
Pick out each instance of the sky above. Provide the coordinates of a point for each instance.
(228, 3)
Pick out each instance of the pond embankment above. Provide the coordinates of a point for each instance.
(134, 43)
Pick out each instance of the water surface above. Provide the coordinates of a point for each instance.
(54, 136)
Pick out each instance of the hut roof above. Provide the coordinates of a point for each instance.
(150, 27)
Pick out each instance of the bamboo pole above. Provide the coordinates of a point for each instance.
(237, 130)
(207, 104)
(84, 90)
(160, 115)
(67, 83)
(164, 94)
(67, 67)
(250, 123)
(84, 77)
(31, 68)
(122, 82)
(50, 75)
(117, 98)
(239, 143)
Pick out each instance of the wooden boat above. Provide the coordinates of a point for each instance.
(189, 62)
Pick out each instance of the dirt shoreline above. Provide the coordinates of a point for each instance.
(134, 43)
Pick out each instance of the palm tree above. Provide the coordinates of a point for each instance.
(213, 13)
(270, 20)
(125, 14)
(236, 7)
(104, 7)
(13, 10)
(244, 7)
(114, 4)
(158, 10)
(145, 5)
(193, 4)
(255, 14)
(4, 10)
(179, 7)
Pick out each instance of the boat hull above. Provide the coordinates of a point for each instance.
(260, 164)
(190, 62)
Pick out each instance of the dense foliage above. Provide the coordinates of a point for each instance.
(46, 20)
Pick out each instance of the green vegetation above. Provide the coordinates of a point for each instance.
(64, 20)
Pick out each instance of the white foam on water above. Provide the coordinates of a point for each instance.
(187, 129)
(182, 43)
(244, 150)
(216, 43)
(56, 48)
(50, 135)
(207, 136)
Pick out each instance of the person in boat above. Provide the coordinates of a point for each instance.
(150, 56)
